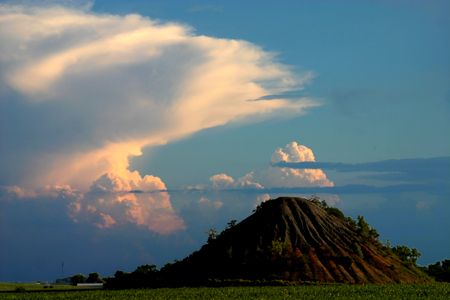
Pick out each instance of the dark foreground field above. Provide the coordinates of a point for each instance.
(397, 291)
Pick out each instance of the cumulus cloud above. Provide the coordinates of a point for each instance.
(285, 177)
(276, 177)
(292, 153)
(109, 203)
(238, 202)
(125, 82)
(223, 181)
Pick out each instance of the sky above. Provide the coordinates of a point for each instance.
(129, 128)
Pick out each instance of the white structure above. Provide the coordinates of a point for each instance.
(90, 284)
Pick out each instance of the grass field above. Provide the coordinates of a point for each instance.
(10, 287)
(399, 291)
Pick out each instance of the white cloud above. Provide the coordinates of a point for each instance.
(110, 203)
(95, 89)
(286, 177)
(223, 181)
(127, 82)
(238, 204)
(292, 153)
(278, 177)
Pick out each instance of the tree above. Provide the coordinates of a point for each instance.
(403, 252)
(388, 244)
(415, 255)
(406, 254)
(212, 234)
(316, 200)
(336, 212)
(94, 278)
(120, 274)
(63, 280)
(365, 229)
(440, 271)
(145, 270)
(351, 221)
(363, 226)
(231, 224)
(259, 206)
(79, 278)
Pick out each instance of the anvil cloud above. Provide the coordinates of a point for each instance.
(92, 90)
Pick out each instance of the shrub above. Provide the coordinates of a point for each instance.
(358, 250)
(20, 289)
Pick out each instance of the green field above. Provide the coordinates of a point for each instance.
(10, 287)
(398, 291)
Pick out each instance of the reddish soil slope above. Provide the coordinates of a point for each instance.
(294, 239)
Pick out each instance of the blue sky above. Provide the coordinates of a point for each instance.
(102, 98)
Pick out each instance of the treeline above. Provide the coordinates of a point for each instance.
(148, 276)
(80, 278)
(440, 271)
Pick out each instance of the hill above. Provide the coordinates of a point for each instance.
(295, 239)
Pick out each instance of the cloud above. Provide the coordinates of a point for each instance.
(10, 193)
(223, 181)
(42, 225)
(15, 192)
(293, 170)
(406, 170)
(200, 214)
(87, 91)
(109, 203)
(287, 177)
(276, 97)
(84, 92)
(276, 177)
(292, 153)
